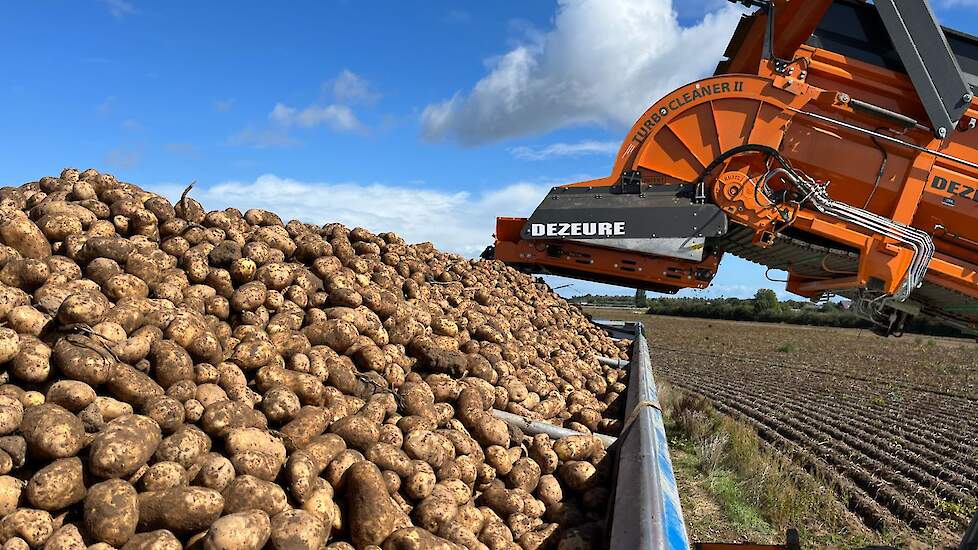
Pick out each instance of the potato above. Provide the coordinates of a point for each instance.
(10, 490)
(160, 539)
(82, 307)
(23, 236)
(319, 502)
(389, 457)
(219, 418)
(52, 432)
(34, 526)
(171, 363)
(579, 476)
(9, 344)
(180, 509)
(27, 320)
(250, 493)
(168, 413)
(67, 537)
(358, 431)
(163, 475)
(249, 295)
(216, 471)
(414, 538)
(420, 484)
(435, 511)
(124, 446)
(364, 367)
(501, 500)
(24, 273)
(335, 333)
(298, 530)
(70, 394)
(524, 475)
(309, 423)
(241, 531)
(111, 512)
(548, 490)
(576, 447)
(430, 447)
(280, 404)
(183, 446)
(305, 464)
(373, 516)
(240, 440)
(11, 414)
(84, 359)
(57, 227)
(57, 485)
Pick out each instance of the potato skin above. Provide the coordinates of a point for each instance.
(123, 446)
(111, 512)
(180, 509)
(373, 516)
(70, 394)
(240, 531)
(161, 539)
(10, 490)
(52, 432)
(57, 485)
(67, 537)
(33, 526)
(26, 238)
(298, 530)
(11, 414)
(415, 538)
(250, 493)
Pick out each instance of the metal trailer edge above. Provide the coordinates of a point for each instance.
(646, 512)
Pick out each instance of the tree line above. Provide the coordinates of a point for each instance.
(764, 307)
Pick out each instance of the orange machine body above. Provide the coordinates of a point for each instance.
(806, 113)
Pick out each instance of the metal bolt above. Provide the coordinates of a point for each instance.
(942, 132)
(967, 98)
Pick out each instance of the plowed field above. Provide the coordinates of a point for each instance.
(892, 424)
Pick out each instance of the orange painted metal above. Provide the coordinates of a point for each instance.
(677, 138)
(795, 20)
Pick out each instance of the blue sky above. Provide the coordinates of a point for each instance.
(428, 118)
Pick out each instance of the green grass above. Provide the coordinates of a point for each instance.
(760, 491)
(744, 515)
(787, 347)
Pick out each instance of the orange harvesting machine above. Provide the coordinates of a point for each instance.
(835, 142)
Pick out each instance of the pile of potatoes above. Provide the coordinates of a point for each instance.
(173, 378)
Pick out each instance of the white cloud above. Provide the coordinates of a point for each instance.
(459, 222)
(347, 88)
(119, 8)
(604, 62)
(558, 150)
(339, 118)
(350, 87)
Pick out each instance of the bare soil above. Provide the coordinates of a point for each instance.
(891, 424)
